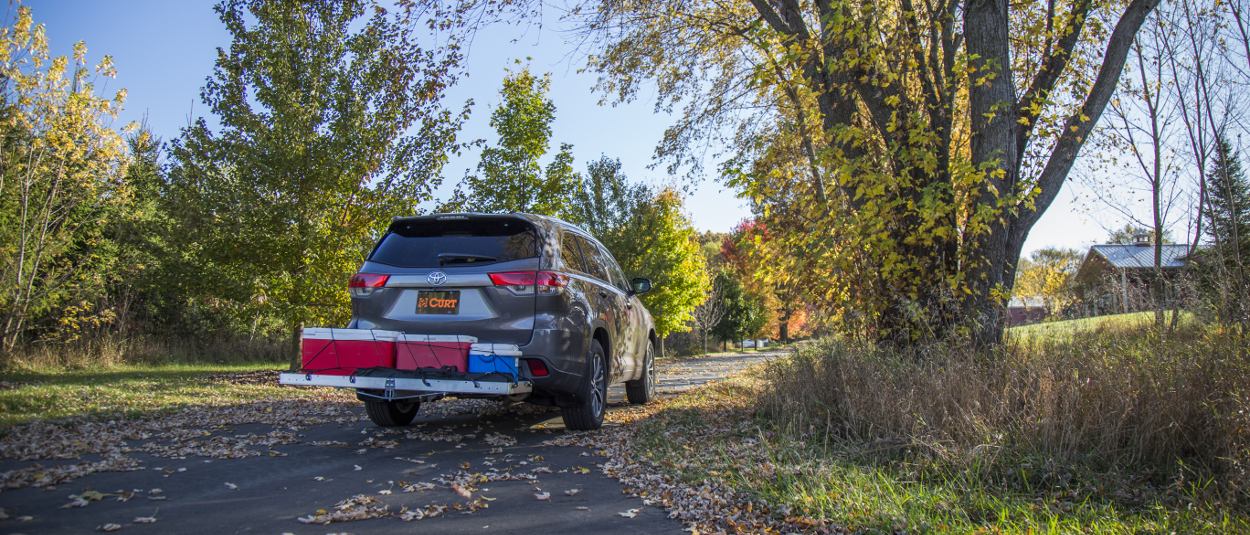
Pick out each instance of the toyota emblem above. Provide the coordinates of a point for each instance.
(436, 278)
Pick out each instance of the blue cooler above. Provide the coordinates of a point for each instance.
(495, 358)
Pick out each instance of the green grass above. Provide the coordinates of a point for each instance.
(125, 390)
(715, 434)
(1067, 327)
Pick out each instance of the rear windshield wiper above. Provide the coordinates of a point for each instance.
(462, 258)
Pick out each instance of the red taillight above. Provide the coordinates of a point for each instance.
(367, 280)
(537, 367)
(515, 278)
(523, 282)
(363, 284)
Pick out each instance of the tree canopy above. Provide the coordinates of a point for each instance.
(908, 154)
(61, 169)
(658, 241)
(509, 176)
(330, 123)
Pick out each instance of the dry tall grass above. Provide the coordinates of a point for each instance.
(109, 351)
(1119, 395)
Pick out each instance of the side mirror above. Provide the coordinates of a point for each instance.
(640, 285)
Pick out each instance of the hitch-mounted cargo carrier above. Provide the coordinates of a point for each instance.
(429, 366)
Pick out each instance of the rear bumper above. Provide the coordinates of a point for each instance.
(389, 388)
(564, 353)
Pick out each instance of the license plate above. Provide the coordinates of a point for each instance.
(438, 302)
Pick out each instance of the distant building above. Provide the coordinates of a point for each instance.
(1115, 279)
(1025, 310)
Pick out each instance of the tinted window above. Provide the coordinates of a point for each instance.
(570, 254)
(435, 243)
(618, 276)
(595, 264)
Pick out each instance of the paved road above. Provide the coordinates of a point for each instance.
(450, 439)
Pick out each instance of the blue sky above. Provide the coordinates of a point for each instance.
(165, 49)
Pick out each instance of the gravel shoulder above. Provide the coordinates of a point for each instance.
(464, 465)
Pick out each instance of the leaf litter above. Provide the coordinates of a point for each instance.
(711, 506)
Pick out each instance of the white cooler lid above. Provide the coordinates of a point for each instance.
(456, 338)
(503, 350)
(373, 335)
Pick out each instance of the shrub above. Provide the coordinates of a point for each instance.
(1109, 397)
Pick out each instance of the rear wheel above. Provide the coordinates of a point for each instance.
(392, 413)
(592, 399)
(642, 390)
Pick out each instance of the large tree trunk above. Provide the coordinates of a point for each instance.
(296, 348)
(994, 140)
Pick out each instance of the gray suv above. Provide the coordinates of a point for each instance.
(539, 284)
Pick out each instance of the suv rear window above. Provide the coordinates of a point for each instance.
(456, 242)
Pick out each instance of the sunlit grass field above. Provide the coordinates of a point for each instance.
(128, 390)
(1065, 328)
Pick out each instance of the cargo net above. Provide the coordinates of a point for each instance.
(448, 353)
(342, 353)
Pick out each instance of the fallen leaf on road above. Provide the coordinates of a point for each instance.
(416, 486)
(543, 496)
(156, 491)
(78, 502)
(358, 468)
(319, 478)
(232, 486)
(572, 492)
(25, 518)
(384, 492)
(630, 513)
(583, 508)
(109, 527)
(463, 492)
(145, 519)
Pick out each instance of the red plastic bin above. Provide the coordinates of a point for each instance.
(343, 351)
(414, 351)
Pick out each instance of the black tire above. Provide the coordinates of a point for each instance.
(642, 390)
(392, 413)
(592, 397)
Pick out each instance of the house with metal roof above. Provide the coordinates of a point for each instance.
(1116, 278)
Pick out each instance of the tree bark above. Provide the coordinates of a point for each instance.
(296, 348)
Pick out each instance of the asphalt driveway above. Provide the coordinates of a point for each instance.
(465, 466)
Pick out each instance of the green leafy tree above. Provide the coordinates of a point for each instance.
(61, 170)
(510, 176)
(605, 199)
(744, 312)
(138, 231)
(659, 242)
(330, 123)
(1049, 273)
(1223, 275)
(1228, 194)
